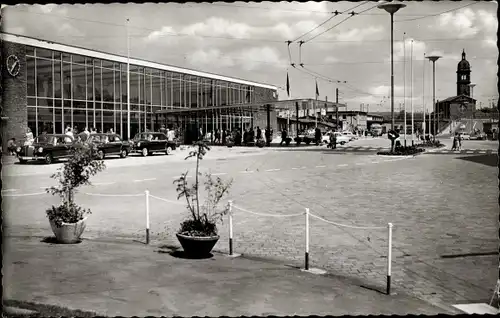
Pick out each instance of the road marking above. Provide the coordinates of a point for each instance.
(180, 176)
(269, 170)
(150, 179)
(320, 166)
(343, 165)
(103, 183)
(360, 164)
(218, 174)
(246, 171)
(24, 194)
(470, 152)
(10, 190)
(45, 187)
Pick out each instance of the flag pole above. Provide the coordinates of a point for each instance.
(411, 93)
(423, 92)
(404, 86)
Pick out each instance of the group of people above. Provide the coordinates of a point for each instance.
(249, 136)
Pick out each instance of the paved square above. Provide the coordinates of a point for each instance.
(443, 208)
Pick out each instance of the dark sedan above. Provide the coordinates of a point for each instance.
(150, 142)
(107, 144)
(46, 148)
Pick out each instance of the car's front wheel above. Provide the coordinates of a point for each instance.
(49, 159)
(145, 152)
(22, 161)
(168, 150)
(123, 153)
(342, 143)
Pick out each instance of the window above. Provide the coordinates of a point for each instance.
(223, 94)
(117, 86)
(79, 82)
(30, 50)
(107, 85)
(78, 59)
(157, 90)
(57, 79)
(66, 81)
(97, 83)
(147, 89)
(44, 53)
(30, 61)
(90, 82)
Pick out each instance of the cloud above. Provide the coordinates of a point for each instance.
(358, 34)
(293, 10)
(215, 26)
(419, 48)
(331, 59)
(488, 20)
(460, 23)
(53, 8)
(384, 90)
(67, 28)
(266, 54)
(165, 35)
(201, 58)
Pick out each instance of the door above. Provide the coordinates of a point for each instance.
(114, 144)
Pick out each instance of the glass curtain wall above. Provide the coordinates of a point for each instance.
(67, 90)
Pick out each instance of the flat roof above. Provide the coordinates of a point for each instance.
(21, 39)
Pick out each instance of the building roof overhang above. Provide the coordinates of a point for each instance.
(459, 98)
(122, 59)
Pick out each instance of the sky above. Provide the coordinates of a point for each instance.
(249, 41)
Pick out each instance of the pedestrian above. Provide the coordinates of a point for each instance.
(455, 142)
(284, 136)
(333, 140)
(163, 129)
(460, 138)
(11, 146)
(259, 133)
(317, 135)
(217, 136)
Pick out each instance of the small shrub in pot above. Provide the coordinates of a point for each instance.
(68, 219)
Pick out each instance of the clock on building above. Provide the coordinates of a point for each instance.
(13, 65)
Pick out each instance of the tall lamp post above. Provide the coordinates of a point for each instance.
(434, 58)
(392, 8)
(128, 83)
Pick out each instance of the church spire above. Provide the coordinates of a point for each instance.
(463, 54)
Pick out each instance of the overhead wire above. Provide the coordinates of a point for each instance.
(352, 14)
(335, 13)
(436, 14)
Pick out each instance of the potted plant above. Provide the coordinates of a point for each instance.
(198, 234)
(68, 220)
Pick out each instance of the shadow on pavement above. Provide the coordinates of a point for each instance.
(53, 240)
(488, 160)
(176, 252)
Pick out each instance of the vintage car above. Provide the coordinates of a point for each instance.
(107, 144)
(46, 148)
(150, 142)
(341, 139)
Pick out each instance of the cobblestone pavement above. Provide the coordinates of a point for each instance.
(448, 208)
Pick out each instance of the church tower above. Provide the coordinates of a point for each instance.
(463, 76)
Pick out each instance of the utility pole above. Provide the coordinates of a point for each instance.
(337, 106)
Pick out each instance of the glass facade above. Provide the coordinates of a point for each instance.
(68, 90)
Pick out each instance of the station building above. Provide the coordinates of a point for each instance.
(49, 86)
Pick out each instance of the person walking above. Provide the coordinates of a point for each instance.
(259, 133)
(455, 142)
(317, 135)
(284, 136)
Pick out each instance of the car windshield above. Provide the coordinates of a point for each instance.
(139, 137)
(45, 139)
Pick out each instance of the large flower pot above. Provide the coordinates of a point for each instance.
(68, 233)
(197, 246)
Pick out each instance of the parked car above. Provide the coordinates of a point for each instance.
(350, 135)
(478, 136)
(150, 142)
(46, 148)
(107, 144)
(341, 139)
(465, 136)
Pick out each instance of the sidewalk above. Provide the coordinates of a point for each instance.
(132, 279)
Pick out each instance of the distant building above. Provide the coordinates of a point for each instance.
(462, 105)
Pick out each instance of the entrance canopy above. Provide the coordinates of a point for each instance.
(262, 106)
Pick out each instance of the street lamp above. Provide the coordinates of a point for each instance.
(434, 58)
(392, 8)
(472, 90)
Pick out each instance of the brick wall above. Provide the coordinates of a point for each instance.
(14, 101)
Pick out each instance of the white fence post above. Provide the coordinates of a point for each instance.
(307, 240)
(389, 258)
(147, 216)
(230, 227)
